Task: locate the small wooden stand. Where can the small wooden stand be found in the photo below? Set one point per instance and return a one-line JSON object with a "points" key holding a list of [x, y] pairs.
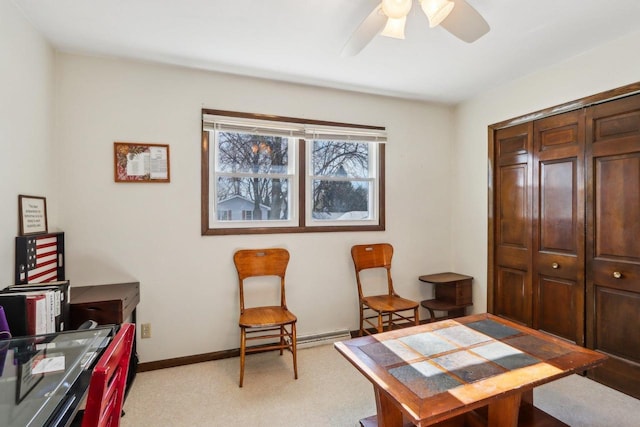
{"points": [[453, 294]]}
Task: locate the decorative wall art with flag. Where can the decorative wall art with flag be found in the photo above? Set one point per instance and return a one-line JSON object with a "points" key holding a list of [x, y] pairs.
{"points": [[40, 258]]}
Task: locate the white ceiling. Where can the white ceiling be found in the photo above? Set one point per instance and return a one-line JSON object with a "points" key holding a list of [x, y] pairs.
{"points": [[300, 40]]}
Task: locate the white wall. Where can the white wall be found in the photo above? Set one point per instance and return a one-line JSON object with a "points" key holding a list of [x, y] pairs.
{"points": [[603, 68], [26, 127], [151, 232]]}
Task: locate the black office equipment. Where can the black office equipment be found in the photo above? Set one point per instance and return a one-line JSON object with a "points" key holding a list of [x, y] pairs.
{"points": [[14, 299]]}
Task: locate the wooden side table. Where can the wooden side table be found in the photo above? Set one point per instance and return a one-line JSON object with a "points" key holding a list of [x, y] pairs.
{"points": [[453, 294]]}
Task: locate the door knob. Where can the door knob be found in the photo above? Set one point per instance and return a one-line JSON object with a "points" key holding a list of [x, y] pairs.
{"points": [[617, 275], [555, 265]]}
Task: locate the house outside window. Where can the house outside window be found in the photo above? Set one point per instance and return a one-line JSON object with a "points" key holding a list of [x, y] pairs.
{"points": [[266, 174]]}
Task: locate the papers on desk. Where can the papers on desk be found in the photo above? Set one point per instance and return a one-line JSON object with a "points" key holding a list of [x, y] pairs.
{"points": [[50, 363]]}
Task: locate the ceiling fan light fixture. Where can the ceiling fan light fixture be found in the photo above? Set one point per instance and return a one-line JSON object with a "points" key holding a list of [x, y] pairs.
{"points": [[436, 10], [394, 28], [396, 9]]}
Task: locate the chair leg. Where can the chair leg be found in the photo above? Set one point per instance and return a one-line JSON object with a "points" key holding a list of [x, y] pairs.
{"points": [[282, 345], [294, 349], [380, 325], [416, 315], [243, 343], [361, 332]]}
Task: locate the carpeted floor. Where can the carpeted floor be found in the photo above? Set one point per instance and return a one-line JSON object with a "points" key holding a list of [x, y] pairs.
{"points": [[329, 392]]}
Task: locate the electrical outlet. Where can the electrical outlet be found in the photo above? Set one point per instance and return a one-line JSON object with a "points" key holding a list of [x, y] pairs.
{"points": [[145, 330]]}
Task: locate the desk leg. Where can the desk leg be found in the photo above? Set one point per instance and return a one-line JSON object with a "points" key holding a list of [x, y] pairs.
{"points": [[504, 412], [388, 413]]}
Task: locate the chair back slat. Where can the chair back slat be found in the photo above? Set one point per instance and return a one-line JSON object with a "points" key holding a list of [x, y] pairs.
{"points": [[108, 381], [377, 255], [261, 262]]}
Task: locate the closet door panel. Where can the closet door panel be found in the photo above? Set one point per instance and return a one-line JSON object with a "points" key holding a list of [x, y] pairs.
{"points": [[512, 290], [513, 228], [617, 225], [615, 333], [511, 300], [613, 241], [558, 226], [613, 305], [556, 310]]}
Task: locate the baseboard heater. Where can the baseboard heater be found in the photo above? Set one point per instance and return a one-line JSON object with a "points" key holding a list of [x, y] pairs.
{"points": [[323, 338]]}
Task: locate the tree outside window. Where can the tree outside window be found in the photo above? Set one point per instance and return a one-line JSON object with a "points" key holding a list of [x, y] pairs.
{"points": [[340, 180], [254, 168]]}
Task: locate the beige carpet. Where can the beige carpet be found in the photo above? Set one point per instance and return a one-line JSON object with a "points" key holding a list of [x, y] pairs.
{"points": [[328, 392]]}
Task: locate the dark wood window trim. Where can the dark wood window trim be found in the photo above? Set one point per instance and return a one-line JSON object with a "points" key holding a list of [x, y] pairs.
{"points": [[302, 227]]}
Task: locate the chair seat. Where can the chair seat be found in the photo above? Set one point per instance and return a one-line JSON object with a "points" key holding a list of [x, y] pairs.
{"points": [[387, 303], [266, 317]]}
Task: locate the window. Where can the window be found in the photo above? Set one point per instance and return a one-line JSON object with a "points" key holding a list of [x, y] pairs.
{"points": [[340, 183], [266, 174]]}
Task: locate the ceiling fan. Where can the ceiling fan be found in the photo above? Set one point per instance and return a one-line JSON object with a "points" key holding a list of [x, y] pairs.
{"points": [[389, 17]]}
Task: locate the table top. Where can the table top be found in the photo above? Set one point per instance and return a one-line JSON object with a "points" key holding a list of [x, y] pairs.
{"points": [[97, 293], [443, 277], [38, 372], [442, 369]]}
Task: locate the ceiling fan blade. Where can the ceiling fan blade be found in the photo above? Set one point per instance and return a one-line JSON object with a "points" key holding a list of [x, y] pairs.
{"points": [[368, 29], [465, 22]]}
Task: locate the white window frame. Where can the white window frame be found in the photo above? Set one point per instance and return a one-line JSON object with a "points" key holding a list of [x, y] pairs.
{"points": [[292, 191], [372, 179]]}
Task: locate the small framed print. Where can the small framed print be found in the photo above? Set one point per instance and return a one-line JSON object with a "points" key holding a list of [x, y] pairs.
{"points": [[134, 162], [32, 211]]}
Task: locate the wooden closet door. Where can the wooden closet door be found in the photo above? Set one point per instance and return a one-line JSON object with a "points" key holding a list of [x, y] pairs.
{"points": [[558, 226], [613, 241], [512, 290]]}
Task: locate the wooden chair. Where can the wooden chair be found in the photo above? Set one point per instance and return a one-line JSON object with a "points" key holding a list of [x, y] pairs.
{"points": [[390, 309], [265, 322], [109, 380]]}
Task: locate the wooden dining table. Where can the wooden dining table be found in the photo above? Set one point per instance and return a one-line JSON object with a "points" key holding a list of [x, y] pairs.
{"points": [[477, 370]]}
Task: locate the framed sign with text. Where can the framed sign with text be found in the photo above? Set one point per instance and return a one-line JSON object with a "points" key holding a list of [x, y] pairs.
{"points": [[32, 211], [135, 162]]}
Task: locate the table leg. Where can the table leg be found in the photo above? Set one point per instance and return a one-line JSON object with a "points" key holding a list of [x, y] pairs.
{"points": [[504, 412], [388, 413]]}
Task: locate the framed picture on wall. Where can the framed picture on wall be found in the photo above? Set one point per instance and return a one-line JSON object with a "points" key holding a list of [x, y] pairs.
{"points": [[32, 211], [135, 162]]}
